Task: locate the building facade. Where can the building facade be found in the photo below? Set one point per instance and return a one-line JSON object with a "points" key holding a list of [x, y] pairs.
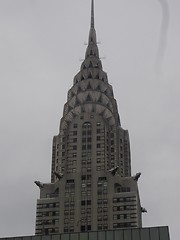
{"points": [[91, 187]]}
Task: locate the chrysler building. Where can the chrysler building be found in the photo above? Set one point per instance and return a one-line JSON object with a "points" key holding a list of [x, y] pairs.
{"points": [[91, 188]]}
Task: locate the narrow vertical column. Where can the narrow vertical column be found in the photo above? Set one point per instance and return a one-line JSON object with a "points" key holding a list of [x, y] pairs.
{"points": [[92, 14]]}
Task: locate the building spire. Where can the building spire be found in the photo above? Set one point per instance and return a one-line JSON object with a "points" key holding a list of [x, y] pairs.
{"points": [[92, 13], [92, 49]]}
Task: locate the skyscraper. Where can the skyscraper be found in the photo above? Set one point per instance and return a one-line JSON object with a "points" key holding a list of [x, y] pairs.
{"points": [[91, 185]]}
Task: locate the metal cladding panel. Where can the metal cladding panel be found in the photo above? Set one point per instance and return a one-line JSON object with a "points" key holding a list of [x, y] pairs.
{"points": [[164, 233], [145, 234], [118, 234], [83, 236], [154, 234], [127, 234], [55, 237], [65, 237]]}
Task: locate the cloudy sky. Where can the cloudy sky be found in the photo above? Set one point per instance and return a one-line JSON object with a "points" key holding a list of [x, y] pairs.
{"points": [[41, 47]]}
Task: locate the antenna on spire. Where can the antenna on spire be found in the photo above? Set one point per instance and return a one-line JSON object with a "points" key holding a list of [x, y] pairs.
{"points": [[92, 13]]}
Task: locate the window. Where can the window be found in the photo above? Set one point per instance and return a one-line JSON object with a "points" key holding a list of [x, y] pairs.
{"points": [[89, 227], [98, 145], [83, 147], [83, 228], [98, 138], [74, 140], [98, 160], [99, 218], [99, 210], [72, 212], [99, 226], [115, 208], [83, 203], [98, 153], [70, 181], [88, 177], [89, 132], [83, 154], [66, 212], [105, 226], [74, 147], [102, 179], [105, 184], [105, 209], [87, 125], [83, 177], [74, 133], [75, 125]]}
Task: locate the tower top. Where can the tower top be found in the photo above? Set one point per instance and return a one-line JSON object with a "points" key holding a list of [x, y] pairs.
{"points": [[92, 49], [92, 13]]}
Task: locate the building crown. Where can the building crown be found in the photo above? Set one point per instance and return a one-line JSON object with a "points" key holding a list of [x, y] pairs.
{"points": [[91, 92]]}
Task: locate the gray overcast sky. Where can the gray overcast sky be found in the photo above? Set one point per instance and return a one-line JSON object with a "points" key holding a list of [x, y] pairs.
{"points": [[41, 42]]}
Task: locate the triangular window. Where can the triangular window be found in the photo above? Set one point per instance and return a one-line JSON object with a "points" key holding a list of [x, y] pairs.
{"points": [[91, 65], [100, 100], [97, 76], [77, 101], [89, 86], [88, 99], [90, 75], [78, 89], [98, 88], [72, 94]]}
